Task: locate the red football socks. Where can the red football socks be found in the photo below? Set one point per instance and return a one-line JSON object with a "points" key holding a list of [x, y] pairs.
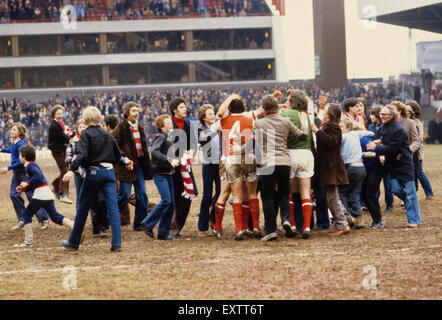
{"points": [[245, 215], [307, 206], [254, 211], [237, 216], [219, 213]]}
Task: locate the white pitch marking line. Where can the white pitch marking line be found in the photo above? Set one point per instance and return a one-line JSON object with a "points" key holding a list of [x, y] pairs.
{"points": [[272, 257]]}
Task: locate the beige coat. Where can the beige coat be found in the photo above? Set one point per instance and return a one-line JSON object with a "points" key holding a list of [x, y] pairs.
{"points": [[271, 135], [410, 129]]}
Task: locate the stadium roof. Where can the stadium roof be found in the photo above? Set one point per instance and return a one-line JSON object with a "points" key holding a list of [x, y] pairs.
{"points": [[417, 14]]}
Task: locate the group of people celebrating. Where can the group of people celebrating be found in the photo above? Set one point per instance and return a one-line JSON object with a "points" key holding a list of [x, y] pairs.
{"points": [[288, 150]]}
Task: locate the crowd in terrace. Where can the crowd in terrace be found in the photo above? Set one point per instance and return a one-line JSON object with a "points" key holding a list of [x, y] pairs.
{"points": [[44, 10]]}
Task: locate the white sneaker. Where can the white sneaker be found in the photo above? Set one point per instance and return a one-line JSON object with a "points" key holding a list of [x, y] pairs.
{"points": [[288, 230], [44, 224], [64, 198], [24, 244], [270, 237], [20, 225]]}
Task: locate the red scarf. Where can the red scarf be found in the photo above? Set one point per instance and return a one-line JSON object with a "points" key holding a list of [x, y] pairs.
{"points": [[137, 138], [179, 122], [61, 124], [189, 191]]}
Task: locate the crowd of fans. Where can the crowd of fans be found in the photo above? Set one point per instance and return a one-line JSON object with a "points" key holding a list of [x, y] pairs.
{"points": [[35, 115], [21, 10]]}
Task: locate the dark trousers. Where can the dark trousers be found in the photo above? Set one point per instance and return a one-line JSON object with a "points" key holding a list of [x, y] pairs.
{"points": [[351, 194], [389, 197], [370, 189], [182, 204], [18, 176], [322, 218], [35, 205], [210, 178], [58, 184], [280, 177]]}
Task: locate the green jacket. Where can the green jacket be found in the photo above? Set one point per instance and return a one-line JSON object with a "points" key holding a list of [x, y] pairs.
{"points": [[292, 141]]}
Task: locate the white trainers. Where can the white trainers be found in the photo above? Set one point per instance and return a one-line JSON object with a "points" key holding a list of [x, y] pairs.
{"points": [[270, 237], [24, 244], [64, 198], [288, 229], [20, 225], [44, 224]]}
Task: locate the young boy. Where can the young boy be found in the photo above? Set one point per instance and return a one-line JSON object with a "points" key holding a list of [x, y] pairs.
{"points": [[162, 170], [17, 133], [42, 198]]}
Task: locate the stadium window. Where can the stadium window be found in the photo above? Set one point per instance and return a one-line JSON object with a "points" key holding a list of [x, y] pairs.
{"points": [[5, 46], [67, 76], [127, 42], [153, 73], [6, 78]]}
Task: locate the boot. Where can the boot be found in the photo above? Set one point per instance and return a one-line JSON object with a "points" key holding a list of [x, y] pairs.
{"points": [[68, 223]]}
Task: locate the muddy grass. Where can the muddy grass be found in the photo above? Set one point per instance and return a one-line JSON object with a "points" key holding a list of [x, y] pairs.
{"points": [[393, 263]]}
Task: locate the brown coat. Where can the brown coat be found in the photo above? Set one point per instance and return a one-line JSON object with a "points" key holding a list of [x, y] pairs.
{"points": [[330, 166], [125, 141]]}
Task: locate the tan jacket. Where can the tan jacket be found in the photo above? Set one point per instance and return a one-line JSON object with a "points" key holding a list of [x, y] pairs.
{"points": [[410, 129], [271, 135], [420, 128]]}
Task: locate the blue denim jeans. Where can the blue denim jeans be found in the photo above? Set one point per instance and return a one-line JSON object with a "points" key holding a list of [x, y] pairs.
{"points": [[78, 182], [351, 194], [210, 177], [18, 176], [142, 201], [406, 191], [35, 205], [97, 178], [424, 180], [163, 211]]}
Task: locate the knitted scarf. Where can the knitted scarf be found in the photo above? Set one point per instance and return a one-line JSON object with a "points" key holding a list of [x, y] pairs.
{"points": [[186, 168], [137, 138]]}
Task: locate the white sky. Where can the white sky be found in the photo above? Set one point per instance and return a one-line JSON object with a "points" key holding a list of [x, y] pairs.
{"points": [[379, 52]]}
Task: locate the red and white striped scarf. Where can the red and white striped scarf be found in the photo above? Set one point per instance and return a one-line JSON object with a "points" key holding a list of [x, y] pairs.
{"points": [[137, 138], [189, 191]]}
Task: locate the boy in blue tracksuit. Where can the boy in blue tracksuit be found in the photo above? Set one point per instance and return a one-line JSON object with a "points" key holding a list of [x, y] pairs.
{"points": [[17, 133], [42, 197]]}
